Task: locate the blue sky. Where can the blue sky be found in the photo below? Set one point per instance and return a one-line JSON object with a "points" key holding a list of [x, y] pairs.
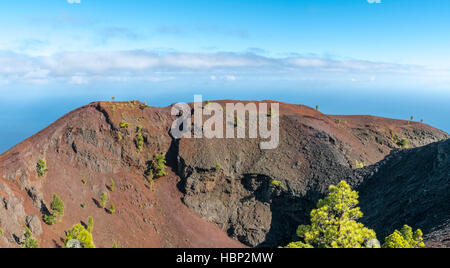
{"points": [[401, 43], [164, 51]]}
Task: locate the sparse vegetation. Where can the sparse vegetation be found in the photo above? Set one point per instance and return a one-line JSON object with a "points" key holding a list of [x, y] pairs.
{"points": [[112, 185], [139, 140], [360, 165], [103, 199], [90, 226], [155, 169], [50, 219], [1, 232], [84, 181], [30, 241], [405, 238], [159, 165], [57, 206], [114, 244], [57, 210], [112, 209], [79, 233], [275, 184], [119, 137], [334, 224], [144, 106], [218, 167], [41, 167], [403, 143], [124, 124], [149, 178]]}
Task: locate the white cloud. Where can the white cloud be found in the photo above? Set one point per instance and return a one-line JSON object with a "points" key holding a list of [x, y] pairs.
{"points": [[230, 77], [74, 1], [374, 1], [126, 66], [78, 80]]}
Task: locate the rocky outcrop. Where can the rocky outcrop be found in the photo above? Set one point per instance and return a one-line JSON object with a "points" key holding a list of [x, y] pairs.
{"points": [[260, 197], [12, 216], [410, 187]]}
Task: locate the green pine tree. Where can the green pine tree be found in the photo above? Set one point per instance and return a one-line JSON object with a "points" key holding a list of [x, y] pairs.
{"points": [[103, 199], [159, 165], [30, 241], [90, 226], [334, 222], [41, 167], [78, 232], [57, 206], [405, 238], [112, 185]]}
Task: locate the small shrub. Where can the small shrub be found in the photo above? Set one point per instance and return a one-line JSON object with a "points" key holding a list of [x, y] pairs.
{"points": [[218, 168], [112, 209], [84, 181], [124, 124], [79, 233], [119, 137], [50, 219], [83, 205], [159, 165], [30, 241], [139, 140], [112, 185], [275, 184], [57, 206], [114, 244], [144, 106], [103, 199], [403, 143], [90, 226], [317, 107], [1, 232], [41, 167], [360, 165], [155, 169], [405, 238], [149, 177]]}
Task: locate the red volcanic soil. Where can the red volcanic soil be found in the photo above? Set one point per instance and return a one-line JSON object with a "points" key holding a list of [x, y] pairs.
{"points": [[89, 144]]}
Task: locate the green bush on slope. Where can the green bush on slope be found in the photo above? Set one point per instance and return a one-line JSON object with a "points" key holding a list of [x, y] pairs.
{"points": [[334, 225]]}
